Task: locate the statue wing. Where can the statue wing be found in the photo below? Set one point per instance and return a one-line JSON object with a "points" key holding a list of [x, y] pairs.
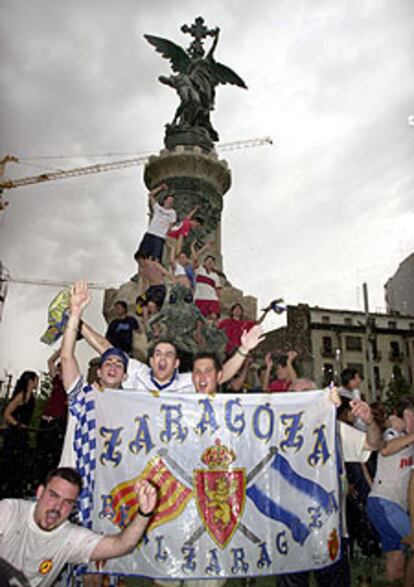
{"points": [[225, 75], [176, 55]]}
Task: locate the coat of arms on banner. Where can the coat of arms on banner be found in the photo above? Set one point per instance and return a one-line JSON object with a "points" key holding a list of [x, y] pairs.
{"points": [[220, 493]]}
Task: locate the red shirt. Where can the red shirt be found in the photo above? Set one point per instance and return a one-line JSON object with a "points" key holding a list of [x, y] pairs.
{"points": [[57, 404], [279, 385], [234, 330]]}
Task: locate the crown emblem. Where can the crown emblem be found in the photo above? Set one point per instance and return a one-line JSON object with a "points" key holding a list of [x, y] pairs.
{"points": [[218, 456]]}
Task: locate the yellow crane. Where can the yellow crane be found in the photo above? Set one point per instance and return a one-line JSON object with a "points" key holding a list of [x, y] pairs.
{"points": [[9, 184]]}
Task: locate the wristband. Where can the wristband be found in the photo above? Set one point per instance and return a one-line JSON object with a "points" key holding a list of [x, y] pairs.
{"points": [[147, 515], [241, 352]]}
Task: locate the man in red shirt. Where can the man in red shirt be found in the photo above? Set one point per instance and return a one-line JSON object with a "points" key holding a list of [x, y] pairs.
{"points": [[285, 372], [234, 327]]}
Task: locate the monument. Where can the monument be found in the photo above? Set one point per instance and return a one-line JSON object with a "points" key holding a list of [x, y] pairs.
{"points": [[189, 163]]}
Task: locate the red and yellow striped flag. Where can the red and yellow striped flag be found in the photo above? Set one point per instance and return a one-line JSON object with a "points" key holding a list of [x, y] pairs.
{"points": [[173, 496]]}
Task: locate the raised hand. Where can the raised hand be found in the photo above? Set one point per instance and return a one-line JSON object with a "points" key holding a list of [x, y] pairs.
{"points": [[146, 495], [361, 409], [250, 339], [79, 297]]}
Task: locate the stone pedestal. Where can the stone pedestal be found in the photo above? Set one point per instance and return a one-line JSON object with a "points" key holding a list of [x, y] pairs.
{"points": [[195, 178]]}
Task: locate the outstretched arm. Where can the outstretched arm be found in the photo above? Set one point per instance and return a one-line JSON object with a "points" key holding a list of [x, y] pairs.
{"points": [[361, 409], [196, 254], [396, 444], [79, 299], [98, 342], [249, 341], [291, 356], [152, 194], [115, 545], [193, 211]]}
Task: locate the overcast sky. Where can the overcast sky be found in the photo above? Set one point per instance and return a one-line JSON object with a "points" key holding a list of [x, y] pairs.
{"points": [[329, 206]]}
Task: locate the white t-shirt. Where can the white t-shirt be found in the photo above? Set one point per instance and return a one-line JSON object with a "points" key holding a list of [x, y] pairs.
{"points": [[393, 472], [38, 554], [139, 378], [206, 291], [161, 220], [179, 270], [352, 444]]}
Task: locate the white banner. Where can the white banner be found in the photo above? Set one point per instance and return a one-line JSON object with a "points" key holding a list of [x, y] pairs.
{"points": [[247, 484]]}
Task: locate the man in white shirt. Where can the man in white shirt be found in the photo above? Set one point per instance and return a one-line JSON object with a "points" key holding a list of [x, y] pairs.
{"points": [[163, 218], [37, 538]]}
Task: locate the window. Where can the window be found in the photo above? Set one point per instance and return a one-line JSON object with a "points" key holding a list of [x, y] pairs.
{"points": [[326, 320], [395, 351], [376, 355], [327, 346], [353, 343], [348, 321], [392, 324], [377, 378], [411, 326]]}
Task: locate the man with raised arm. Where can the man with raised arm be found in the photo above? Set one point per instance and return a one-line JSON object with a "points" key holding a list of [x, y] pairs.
{"points": [[37, 538], [163, 219]]}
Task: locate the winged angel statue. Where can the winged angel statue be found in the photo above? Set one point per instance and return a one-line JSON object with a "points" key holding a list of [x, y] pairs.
{"points": [[195, 78]]}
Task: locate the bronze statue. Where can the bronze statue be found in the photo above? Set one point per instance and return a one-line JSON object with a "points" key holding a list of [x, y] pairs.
{"points": [[195, 79], [181, 321]]}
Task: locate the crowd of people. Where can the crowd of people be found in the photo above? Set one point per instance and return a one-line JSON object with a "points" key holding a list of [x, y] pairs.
{"points": [[36, 538]]}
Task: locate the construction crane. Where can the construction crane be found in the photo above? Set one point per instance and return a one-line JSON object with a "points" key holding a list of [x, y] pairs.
{"points": [[99, 167]]}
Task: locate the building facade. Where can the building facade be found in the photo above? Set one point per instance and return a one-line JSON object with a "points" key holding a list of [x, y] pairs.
{"points": [[399, 289], [328, 340]]}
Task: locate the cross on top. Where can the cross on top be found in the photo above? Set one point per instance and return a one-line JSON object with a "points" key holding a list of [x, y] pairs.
{"points": [[199, 31]]}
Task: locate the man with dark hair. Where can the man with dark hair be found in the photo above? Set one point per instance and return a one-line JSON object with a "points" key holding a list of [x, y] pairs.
{"points": [[112, 372], [207, 372], [350, 381], [120, 330], [38, 539]]}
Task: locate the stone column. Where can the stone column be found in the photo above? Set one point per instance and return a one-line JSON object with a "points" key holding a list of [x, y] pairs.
{"points": [[195, 177]]}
